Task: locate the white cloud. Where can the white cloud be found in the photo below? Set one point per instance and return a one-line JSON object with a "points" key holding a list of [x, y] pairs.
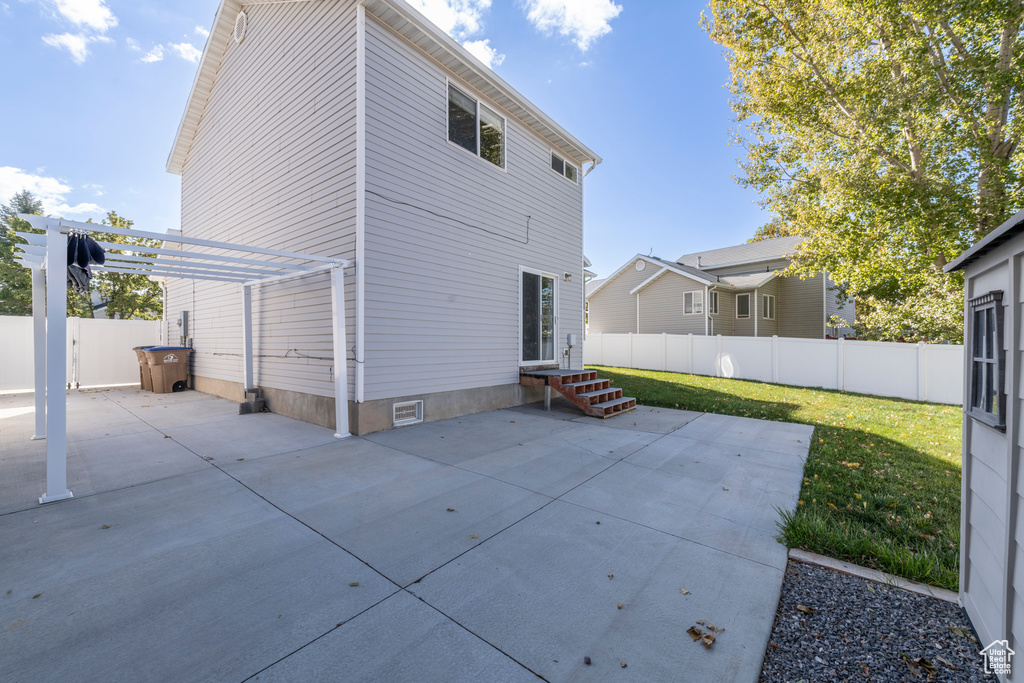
{"points": [[53, 192], [154, 55], [201, 31], [133, 44], [583, 21], [92, 14], [482, 50], [97, 189], [458, 18], [75, 43], [186, 51]]}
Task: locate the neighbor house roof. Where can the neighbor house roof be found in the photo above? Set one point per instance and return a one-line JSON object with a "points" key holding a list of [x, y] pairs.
{"points": [[1008, 230], [685, 271], [415, 28], [751, 252], [747, 281]]}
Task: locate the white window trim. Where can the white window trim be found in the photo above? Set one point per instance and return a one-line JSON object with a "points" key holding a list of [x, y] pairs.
{"points": [[713, 310], [567, 163], [519, 344], [773, 307], [696, 302], [468, 92], [738, 316]]}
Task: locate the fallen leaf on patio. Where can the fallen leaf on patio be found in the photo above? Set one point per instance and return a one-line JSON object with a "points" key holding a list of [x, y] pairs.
{"points": [[695, 632], [684, 591], [772, 644], [586, 660], [105, 526], [9, 591], [239, 459], [805, 609], [611, 576], [36, 596], [724, 489], [700, 621], [947, 663], [622, 664], [620, 605], [451, 509], [707, 640], [167, 436], [472, 535], [354, 584], [868, 586], [597, 522]]}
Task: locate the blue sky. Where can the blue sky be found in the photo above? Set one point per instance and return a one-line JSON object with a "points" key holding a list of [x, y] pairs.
{"points": [[96, 88]]}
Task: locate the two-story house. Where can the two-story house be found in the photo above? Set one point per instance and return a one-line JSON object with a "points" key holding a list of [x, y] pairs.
{"points": [[359, 130], [735, 291]]}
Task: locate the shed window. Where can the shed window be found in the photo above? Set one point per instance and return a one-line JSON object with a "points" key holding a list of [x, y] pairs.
{"points": [[742, 305], [988, 400], [768, 307], [475, 127], [693, 302]]}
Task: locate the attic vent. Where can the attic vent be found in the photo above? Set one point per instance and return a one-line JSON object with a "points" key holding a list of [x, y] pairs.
{"points": [[241, 23], [407, 413], [640, 264]]}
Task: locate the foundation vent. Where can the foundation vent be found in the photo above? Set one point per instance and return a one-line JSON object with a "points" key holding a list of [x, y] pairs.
{"points": [[407, 413]]}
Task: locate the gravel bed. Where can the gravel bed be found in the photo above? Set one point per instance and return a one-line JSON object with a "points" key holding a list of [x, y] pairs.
{"points": [[832, 626]]}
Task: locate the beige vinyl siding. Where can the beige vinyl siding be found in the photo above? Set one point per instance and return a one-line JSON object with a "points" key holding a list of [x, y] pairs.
{"points": [[768, 328], [724, 321], [800, 307], [744, 327], [446, 235], [758, 267], [613, 308], [661, 306], [272, 165]]}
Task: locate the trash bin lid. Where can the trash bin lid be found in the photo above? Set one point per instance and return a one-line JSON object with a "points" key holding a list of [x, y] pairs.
{"points": [[167, 348]]}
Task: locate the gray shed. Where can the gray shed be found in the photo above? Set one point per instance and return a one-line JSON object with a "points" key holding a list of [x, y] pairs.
{"points": [[991, 533]]}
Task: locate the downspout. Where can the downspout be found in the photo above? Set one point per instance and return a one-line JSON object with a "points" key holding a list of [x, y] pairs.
{"points": [[593, 165], [707, 310], [638, 312], [824, 304], [360, 272], [755, 311]]}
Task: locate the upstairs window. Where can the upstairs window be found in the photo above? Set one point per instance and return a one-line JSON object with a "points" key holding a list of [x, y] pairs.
{"points": [[564, 168], [988, 400], [475, 127], [693, 302], [768, 307]]}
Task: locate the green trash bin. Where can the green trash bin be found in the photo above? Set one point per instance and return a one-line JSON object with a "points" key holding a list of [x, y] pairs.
{"points": [[168, 366], [145, 377]]}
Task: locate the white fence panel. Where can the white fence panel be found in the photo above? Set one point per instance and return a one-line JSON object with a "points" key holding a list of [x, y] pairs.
{"points": [[808, 363], [99, 351], [923, 372], [746, 358], [15, 353], [103, 350]]}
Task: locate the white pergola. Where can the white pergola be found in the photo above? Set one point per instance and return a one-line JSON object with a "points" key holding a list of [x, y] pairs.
{"points": [[47, 253]]}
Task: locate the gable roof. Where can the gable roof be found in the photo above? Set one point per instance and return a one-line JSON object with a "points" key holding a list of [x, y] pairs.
{"points": [[415, 28], [749, 281], [1008, 230], [751, 252], [685, 271]]}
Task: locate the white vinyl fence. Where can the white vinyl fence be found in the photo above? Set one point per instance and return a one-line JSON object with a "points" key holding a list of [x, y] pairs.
{"points": [[99, 351], [922, 372]]}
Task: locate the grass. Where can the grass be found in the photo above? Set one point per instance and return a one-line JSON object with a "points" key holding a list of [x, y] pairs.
{"points": [[882, 481]]}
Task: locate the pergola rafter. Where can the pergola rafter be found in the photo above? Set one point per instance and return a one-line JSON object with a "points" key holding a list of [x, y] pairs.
{"points": [[256, 266]]}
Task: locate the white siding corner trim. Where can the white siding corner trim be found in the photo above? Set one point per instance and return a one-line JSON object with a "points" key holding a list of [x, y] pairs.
{"points": [[360, 355]]}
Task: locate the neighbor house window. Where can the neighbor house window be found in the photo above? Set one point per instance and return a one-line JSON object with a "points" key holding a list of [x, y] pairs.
{"points": [[564, 168], [742, 305], [768, 307], [712, 302], [475, 127], [693, 302], [988, 402], [538, 317]]}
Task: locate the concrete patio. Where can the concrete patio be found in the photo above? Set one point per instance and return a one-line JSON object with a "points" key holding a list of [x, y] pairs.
{"points": [[204, 545]]}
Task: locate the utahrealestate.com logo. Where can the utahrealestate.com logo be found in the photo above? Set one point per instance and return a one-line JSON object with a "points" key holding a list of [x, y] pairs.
{"points": [[997, 658]]}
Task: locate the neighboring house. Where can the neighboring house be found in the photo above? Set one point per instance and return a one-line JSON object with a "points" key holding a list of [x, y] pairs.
{"points": [[991, 547], [735, 291], [361, 131]]}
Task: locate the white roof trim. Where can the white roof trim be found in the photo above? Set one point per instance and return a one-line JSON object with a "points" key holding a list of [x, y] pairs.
{"points": [[415, 28], [648, 281], [660, 264]]}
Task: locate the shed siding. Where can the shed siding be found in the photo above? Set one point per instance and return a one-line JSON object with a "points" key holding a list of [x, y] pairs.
{"points": [[272, 165], [801, 307], [661, 306], [613, 308], [447, 232]]}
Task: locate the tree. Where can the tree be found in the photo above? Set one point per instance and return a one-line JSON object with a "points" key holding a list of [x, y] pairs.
{"points": [[886, 132], [129, 295], [15, 280]]}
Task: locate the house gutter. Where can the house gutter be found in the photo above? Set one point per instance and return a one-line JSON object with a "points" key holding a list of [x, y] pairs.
{"points": [[593, 164]]}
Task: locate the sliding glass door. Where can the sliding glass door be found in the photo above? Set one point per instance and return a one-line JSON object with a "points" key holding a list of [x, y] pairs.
{"points": [[537, 293]]}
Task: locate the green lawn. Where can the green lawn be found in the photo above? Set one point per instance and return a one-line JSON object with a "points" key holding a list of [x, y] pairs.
{"points": [[882, 482]]}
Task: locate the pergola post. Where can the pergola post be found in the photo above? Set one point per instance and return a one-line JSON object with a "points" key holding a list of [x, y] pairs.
{"points": [[247, 336], [341, 426], [39, 348], [56, 361]]}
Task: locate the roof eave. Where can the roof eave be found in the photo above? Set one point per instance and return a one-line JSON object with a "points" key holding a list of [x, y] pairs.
{"points": [[1004, 232]]}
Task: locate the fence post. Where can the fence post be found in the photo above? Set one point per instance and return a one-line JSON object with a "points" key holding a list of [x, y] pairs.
{"points": [[775, 358], [690, 339], [632, 358], [841, 364], [922, 387], [664, 351], [718, 355]]}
